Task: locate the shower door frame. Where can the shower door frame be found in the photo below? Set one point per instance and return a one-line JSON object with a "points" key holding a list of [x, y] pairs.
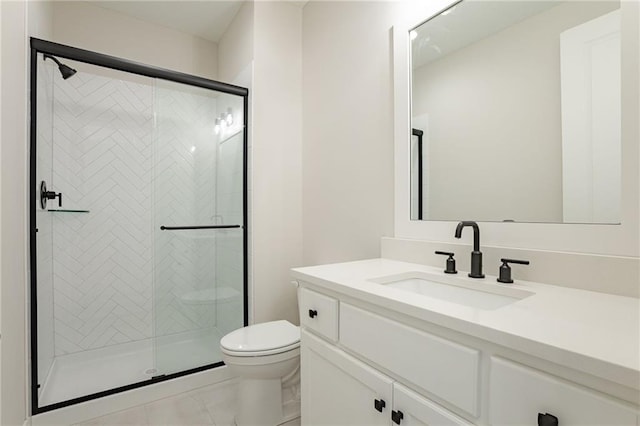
{"points": [[119, 64]]}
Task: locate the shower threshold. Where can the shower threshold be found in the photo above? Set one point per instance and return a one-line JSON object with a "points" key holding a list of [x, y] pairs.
{"points": [[88, 372]]}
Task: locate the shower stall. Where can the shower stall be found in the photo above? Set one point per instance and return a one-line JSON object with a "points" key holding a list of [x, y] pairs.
{"points": [[138, 222]]}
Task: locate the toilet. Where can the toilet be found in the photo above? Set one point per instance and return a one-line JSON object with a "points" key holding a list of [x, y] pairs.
{"points": [[266, 357]]}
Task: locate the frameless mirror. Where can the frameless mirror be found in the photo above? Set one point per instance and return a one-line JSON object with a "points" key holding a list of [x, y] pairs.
{"points": [[516, 112]]}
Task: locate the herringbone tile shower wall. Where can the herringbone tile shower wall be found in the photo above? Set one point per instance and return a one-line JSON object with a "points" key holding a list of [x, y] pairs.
{"points": [[103, 262]]}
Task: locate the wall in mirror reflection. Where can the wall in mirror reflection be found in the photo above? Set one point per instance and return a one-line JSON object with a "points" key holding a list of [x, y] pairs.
{"points": [[519, 108]]}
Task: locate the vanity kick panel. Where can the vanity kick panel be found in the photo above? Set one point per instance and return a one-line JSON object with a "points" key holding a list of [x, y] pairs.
{"points": [[518, 393], [446, 369]]}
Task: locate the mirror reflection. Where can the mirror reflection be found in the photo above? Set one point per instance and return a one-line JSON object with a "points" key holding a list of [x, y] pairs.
{"points": [[515, 112]]}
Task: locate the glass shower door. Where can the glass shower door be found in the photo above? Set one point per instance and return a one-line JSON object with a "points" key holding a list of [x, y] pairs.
{"points": [[138, 259], [198, 224]]}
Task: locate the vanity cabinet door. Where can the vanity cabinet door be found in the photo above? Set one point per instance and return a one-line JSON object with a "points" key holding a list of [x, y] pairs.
{"points": [[337, 389], [518, 393], [416, 410]]}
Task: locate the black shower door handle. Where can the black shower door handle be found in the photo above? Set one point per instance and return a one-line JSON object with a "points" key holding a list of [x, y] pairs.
{"points": [[184, 228]]}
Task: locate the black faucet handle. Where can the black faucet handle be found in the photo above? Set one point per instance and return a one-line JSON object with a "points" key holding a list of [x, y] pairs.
{"points": [[505, 269], [451, 262], [519, 262]]}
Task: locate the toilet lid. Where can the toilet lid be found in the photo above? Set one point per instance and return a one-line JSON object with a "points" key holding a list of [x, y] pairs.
{"points": [[262, 337]]}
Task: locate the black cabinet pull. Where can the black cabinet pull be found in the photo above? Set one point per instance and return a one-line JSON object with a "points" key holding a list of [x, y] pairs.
{"points": [[379, 404], [547, 420], [397, 416], [313, 313]]}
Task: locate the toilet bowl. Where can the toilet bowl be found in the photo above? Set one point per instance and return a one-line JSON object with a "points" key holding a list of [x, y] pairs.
{"points": [[263, 356]]}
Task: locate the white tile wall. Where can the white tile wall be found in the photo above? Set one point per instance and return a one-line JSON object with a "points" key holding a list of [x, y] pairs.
{"points": [[102, 162]]}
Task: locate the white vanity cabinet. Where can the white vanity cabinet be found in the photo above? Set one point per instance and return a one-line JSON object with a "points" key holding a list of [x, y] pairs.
{"points": [[338, 389], [367, 365]]}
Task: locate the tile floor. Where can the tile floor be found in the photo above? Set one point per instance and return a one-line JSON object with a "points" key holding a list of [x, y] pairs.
{"points": [[211, 405]]}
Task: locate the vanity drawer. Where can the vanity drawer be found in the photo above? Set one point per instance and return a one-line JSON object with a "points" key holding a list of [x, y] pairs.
{"points": [[518, 393], [446, 369], [319, 313]]}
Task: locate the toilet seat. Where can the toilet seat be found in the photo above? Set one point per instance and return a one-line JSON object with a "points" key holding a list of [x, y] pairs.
{"points": [[261, 339], [261, 353]]}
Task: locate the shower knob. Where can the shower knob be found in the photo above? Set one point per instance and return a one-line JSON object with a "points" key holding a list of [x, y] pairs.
{"points": [[48, 195]]}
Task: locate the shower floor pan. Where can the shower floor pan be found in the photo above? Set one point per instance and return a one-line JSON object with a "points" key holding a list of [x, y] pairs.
{"points": [[85, 373]]}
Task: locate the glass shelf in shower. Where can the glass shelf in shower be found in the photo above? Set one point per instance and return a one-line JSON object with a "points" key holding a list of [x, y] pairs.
{"points": [[67, 211]]}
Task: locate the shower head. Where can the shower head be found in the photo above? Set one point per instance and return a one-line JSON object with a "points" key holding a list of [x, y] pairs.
{"points": [[65, 70]]}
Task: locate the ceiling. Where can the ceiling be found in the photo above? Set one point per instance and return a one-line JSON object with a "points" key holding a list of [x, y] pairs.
{"points": [[206, 19]]}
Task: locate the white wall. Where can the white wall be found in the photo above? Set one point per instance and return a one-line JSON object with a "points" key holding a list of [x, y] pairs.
{"points": [[90, 27], [277, 158], [13, 176], [235, 48], [40, 19], [348, 129]]}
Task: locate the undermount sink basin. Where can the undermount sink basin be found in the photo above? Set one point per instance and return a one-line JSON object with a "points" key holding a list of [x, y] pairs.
{"points": [[478, 294]]}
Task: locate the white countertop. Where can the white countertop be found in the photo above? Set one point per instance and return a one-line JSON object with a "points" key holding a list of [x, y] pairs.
{"points": [[596, 333]]}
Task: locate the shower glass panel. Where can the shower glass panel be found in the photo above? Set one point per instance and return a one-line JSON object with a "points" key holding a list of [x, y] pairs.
{"points": [[198, 207], [139, 255]]}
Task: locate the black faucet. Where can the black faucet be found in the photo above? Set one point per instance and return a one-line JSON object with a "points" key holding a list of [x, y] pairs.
{"points": [[476, 254]]}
